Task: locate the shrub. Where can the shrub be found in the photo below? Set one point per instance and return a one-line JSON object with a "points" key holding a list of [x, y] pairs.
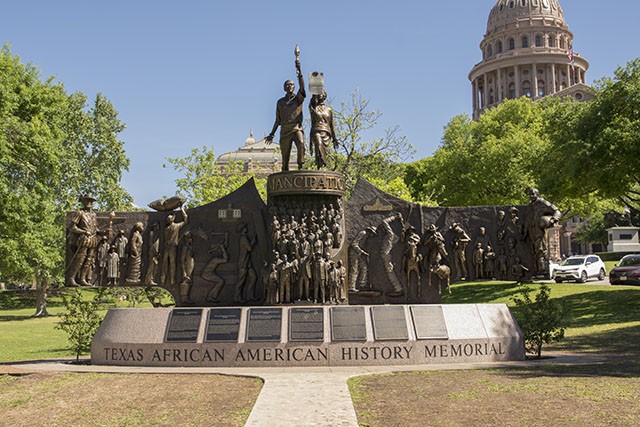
{"points": [[80, 321], [540, 319]]}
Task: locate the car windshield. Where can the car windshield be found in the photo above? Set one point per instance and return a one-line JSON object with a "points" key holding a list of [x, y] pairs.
{"points": [[573, 261], [626, 262]]}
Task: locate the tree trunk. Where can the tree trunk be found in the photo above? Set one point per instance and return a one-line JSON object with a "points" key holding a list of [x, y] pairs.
{"points": [[42, 285], [539, 351]]}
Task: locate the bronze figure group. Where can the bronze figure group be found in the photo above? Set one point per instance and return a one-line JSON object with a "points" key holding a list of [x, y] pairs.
{"points": [[289, 119], [306, 235]]}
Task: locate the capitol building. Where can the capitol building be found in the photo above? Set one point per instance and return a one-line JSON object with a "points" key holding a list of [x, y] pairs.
{"points": [[527, 51]]}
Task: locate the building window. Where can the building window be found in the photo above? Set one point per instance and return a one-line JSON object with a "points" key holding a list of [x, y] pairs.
{"points": [[489, 51], [540, 88], [491, 98], [523, 3], [512, 44], [499, 47], [552, 41], [539, 40], [579, 96], [512, 4], [561, 43], [526, 88], [512, 90], [626, 237], [525, 41]]}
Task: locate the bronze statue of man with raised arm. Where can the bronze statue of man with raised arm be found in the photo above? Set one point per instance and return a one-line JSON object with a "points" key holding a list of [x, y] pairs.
{"points": [[289, 118]]}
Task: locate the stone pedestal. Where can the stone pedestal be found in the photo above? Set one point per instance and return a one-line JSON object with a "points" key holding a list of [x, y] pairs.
{"points": [[308, 336]]}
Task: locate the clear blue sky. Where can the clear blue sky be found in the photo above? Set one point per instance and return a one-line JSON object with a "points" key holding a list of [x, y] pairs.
{"points": [[184, 74]]}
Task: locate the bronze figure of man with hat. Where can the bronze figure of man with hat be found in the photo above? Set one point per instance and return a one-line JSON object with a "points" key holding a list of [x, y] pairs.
{"points": [[84, 229]]}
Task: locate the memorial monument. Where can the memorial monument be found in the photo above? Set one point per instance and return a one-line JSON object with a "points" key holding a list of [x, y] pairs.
{"points": [[307, 279]]}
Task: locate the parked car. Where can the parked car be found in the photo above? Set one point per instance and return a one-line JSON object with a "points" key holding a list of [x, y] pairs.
{"points": [[580, 269], [627, 271]]}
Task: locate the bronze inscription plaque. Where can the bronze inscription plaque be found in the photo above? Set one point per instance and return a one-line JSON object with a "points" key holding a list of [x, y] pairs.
{"points": [[389, 323], [306, 324], [428, 321], [184, 324], [348, 324], [223, 325], [264, 324]]}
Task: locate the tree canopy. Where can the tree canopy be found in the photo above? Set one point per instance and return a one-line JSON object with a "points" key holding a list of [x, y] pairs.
{"points": [[53, 147], [485, 162], [601, 142]]}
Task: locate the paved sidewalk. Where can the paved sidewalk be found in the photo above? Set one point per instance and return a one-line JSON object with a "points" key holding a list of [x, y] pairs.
{"points": [[316, 396], [304, 399]]}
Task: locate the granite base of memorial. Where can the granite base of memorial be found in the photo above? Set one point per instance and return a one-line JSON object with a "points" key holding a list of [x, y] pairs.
{"points": [[308, 336]]}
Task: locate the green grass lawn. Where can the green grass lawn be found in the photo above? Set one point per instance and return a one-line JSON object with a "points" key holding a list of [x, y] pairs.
{"points": [[610, 264], [23, 337]]}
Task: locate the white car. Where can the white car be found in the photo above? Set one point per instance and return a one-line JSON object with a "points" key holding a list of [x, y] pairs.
{"points": [[580, 269]]}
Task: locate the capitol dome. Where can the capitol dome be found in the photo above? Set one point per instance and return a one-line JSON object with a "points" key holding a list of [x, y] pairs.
{"points": [[527, 51], [508, 12]]}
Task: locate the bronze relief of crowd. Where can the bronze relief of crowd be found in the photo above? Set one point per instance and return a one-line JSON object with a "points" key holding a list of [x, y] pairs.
{"points": [[306, 235]]}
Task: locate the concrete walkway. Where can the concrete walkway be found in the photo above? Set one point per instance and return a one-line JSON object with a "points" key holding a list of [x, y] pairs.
{"points": [[315, 396], [304, 399]]}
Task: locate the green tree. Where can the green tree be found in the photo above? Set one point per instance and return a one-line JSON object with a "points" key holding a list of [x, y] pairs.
{"points": [[485, 162], [563, 164], [52, 148], [205, 181], [602, 146], [80, 321], [99, 157], [592, 230], [539, 318], [514, 146]]}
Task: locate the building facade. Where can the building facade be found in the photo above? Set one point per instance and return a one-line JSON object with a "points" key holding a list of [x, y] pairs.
{"points": [[527, 51]]}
